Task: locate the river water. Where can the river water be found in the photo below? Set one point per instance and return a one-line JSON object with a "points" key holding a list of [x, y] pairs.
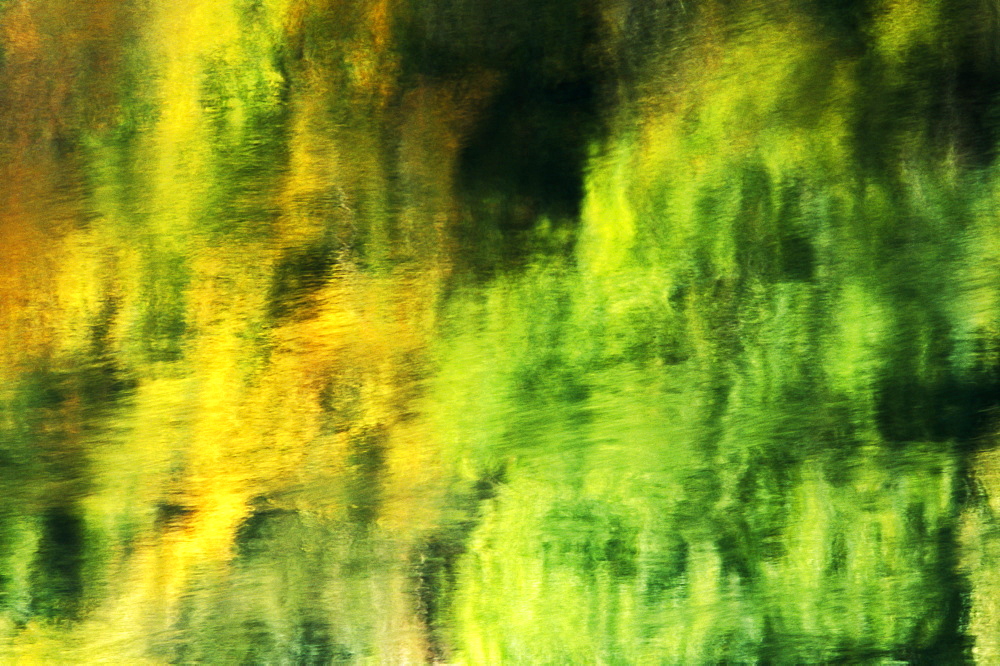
{"points": [[481, 332]]}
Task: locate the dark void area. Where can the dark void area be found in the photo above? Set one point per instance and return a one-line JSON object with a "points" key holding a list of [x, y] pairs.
{"points": [[946, 405], [521, 168], [57, 576], [949, 409], [968, 110], [951, 99], [526, 157]]}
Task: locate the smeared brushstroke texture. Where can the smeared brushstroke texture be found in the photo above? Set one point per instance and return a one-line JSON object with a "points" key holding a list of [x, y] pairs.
{"points": [[482, 332]]}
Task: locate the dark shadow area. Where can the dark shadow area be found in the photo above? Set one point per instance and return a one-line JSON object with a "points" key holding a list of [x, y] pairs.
{"points": [[57, 576], [521, 169]]}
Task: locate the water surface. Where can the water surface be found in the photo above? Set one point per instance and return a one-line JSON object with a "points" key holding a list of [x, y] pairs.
{"points": [[480, 332]]}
